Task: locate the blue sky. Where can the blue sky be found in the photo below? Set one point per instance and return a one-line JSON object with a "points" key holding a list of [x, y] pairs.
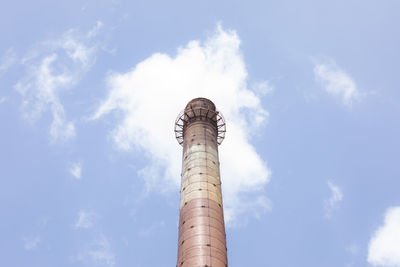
{"points": [[89, 168]]}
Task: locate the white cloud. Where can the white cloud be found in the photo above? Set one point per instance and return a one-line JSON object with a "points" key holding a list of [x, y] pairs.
{"points": [[2, 99], [31, 243], [52, 67], [97, 253], [332, 203], [384, 246], [263, 88], [152, 94], [76, 170], [8, 60], [337, 82], [85, 219]]}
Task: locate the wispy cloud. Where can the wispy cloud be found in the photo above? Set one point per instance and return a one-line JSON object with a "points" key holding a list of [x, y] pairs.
{"points": [[332, 203], [152, 94], [85, 219], [52, 67], [2, 99], [8, 60], [353, 249], [336, 82], [263, 88], [152, 229], [98, 253], [76, 170], [31, 243], [384, 246]]}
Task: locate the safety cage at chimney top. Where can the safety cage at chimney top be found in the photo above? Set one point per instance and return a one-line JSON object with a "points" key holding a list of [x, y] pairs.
{"points": [[199, 114]]}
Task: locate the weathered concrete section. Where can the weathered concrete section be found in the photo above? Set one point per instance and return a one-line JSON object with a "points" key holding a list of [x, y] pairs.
{"points": [[202, 240]]}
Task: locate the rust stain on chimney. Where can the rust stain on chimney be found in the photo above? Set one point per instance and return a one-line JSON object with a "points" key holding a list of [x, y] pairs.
{"points": [[200, 128]]}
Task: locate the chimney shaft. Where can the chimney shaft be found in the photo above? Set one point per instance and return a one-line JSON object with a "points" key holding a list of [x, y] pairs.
{"points": [[202, 241]]}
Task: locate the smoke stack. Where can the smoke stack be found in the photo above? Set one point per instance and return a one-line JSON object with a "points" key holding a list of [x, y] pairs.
{"points": [[200, 128]]}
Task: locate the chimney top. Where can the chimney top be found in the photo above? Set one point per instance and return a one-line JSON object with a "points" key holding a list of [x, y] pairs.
{"points": [[201, 102]]}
